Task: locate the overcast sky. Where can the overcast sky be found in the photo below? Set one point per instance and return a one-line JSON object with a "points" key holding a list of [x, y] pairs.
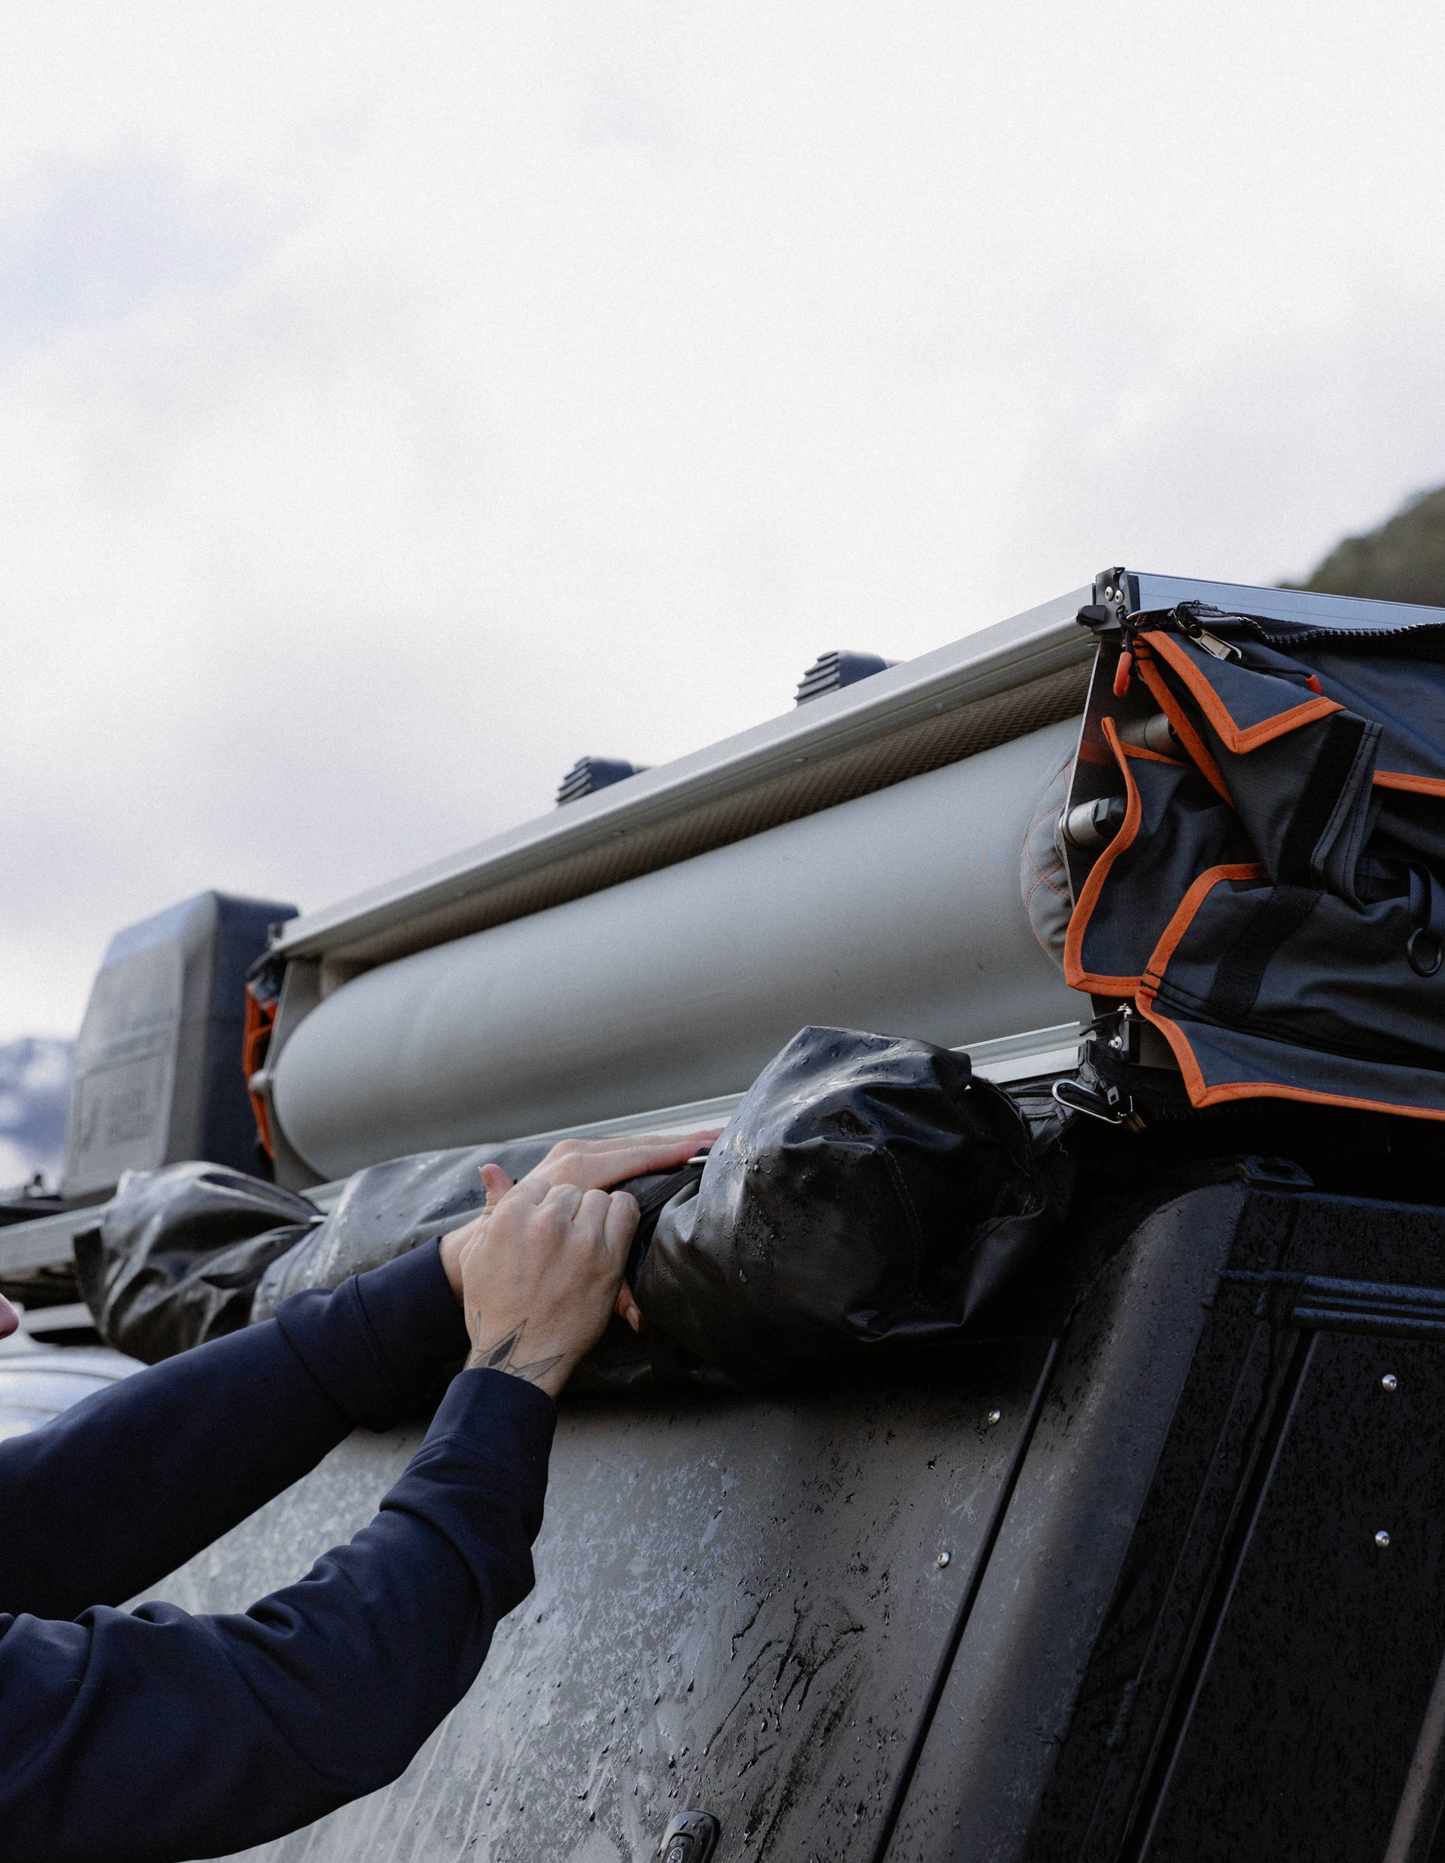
{"points": [[398, 401]]}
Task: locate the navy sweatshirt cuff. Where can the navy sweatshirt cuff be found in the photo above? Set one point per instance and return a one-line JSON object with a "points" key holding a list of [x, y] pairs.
{"points": [[375, 1344], [484, 1463], [483, 1408]]}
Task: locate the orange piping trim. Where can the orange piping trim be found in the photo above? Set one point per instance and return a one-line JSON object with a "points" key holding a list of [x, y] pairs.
{"points": [[1145, 755], [1201, 1094], [1183, 730], [1188, 906], [1417, 785], [1077, 977], [1217, 712]]}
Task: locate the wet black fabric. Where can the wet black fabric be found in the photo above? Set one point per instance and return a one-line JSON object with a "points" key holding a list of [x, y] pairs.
{"points": [[387, 1209], [868, 1195], [1275, 903], [193, 1251], [390, 1208], [177, 1254]]}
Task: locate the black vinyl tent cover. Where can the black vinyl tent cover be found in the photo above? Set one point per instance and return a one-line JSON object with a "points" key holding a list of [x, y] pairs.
{"points": [[870, 1195]]}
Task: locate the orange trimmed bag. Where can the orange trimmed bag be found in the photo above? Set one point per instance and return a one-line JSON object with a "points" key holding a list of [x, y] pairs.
{"points": [[1273, 899]]}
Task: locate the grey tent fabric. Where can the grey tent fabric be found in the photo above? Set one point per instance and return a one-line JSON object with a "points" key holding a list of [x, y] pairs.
{"points": [[1043, 879]]}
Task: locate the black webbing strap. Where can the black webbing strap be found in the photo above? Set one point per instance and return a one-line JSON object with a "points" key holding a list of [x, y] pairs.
{"points": [[650, 1205], [1427, 923], [1241, 969], [1331, 771]]}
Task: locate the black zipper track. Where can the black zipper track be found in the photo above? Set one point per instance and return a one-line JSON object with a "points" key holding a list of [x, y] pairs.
{"points": [[1263, 630]]}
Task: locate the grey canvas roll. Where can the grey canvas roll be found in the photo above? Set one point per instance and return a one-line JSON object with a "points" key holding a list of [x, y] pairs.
{"points": [[899, 911]]}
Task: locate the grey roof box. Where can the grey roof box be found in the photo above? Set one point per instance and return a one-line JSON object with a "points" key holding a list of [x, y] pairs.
{"points": [[157, 1074]]}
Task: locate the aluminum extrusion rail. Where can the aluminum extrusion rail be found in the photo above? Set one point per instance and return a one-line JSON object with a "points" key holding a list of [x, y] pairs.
{"points": [[986, 689]]}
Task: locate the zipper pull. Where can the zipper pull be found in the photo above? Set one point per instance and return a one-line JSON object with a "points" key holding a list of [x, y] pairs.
{"points": [[1221, 649], [1122, 673], [1192, 628]]}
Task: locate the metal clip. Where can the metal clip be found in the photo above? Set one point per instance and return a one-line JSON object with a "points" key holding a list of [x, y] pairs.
{"points": [[1103, 1101]]}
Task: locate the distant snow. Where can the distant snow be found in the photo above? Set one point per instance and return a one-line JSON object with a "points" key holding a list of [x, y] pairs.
{"points": [[34, 1095]]}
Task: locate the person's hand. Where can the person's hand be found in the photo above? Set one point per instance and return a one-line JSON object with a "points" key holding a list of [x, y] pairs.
{"points": [[540, 1275], [9, 1318], [585, 1164]]}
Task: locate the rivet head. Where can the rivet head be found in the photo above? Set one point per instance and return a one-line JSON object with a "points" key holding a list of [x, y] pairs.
{"points": [[1382, 1539], [995, 1416], [944, 1558], [1390, 1382]]}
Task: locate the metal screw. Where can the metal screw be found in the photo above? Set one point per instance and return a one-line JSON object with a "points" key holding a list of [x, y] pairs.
{"points": [[995, 1416], [943, 1558], [1390, 1381], [1382, 1539]]}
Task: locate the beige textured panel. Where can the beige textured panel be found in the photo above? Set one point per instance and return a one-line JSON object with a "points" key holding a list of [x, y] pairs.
{"points": [[945, 738]]}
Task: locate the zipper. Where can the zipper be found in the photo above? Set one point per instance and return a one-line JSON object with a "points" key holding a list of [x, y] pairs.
{"points": [[1211, 643], [1188, 617]]}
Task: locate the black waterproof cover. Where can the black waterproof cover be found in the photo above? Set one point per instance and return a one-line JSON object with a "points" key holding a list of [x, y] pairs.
{"points": [[869, 1194], [189, 1252], [176, 1255]]}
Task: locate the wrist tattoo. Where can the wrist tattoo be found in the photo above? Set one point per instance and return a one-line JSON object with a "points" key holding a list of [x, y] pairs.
{"points": [[502, 1355]]}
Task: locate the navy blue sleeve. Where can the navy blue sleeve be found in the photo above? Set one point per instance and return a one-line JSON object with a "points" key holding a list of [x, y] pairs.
{"points": [[154, 1736], [129, 1484]]}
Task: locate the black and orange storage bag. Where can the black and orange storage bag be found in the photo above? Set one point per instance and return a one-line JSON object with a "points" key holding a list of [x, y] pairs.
{"points": [[1274, 899]]}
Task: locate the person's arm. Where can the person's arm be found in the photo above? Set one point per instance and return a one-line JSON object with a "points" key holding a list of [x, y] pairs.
{"points": [[129, 1484], [155, 1735], [126, 1486]]}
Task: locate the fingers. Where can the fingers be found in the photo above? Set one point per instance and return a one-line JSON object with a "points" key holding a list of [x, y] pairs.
{"points": [[496, 1183], [533, 1188], [586, 1211], [621, 1220], [626, 1308], [596, 1164]]}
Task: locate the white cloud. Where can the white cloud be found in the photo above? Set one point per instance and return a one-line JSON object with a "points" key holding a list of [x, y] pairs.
{"points": [[398, 402]]}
